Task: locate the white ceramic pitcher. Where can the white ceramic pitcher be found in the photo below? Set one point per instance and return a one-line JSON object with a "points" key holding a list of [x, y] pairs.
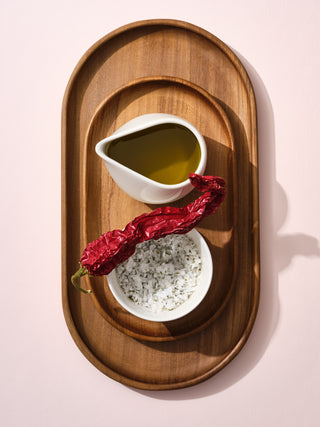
{"points": [[138, 186]]}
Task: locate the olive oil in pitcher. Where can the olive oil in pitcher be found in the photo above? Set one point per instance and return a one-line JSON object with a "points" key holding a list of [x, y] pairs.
{"points": [[165, 153]]}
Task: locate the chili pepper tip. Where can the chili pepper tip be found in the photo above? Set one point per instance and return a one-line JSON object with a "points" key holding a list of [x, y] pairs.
{"points": [[81, 272]]}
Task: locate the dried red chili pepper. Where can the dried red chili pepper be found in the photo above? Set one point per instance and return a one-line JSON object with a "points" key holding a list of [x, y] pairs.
{"points": [[101, 256]]}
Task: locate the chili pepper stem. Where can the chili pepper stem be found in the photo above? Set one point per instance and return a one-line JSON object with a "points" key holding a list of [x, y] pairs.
{"points": [[81, 272]]}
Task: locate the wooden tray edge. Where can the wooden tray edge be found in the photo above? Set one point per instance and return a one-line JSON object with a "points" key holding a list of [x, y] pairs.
{"points": [[256, 232]]}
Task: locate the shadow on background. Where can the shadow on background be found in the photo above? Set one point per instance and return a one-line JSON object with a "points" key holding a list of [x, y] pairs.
{"points": [[277, 251]]}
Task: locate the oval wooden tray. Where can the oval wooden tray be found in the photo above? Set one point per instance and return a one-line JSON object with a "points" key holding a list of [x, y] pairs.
{"points": [[177, 68]]}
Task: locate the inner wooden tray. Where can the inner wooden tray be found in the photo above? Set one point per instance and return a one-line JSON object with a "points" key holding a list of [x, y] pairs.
{"points": [[107, 207], [172, 67]]}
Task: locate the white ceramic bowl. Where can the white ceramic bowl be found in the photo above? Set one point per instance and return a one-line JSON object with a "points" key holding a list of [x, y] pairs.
{"points": [[185, 308], [138, 186]]}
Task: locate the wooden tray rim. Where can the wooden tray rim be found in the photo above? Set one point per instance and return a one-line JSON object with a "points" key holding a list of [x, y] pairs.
{"points": [[64, 291]]}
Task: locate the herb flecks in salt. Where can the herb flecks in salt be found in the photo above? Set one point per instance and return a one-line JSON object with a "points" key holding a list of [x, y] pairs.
{"points": [[161, 274]]}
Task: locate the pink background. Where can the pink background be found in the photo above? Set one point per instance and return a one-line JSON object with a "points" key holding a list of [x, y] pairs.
{"points": [[45, 380]]}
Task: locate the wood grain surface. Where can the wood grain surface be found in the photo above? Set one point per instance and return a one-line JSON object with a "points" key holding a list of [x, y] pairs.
{"points": [[177, 68]]}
